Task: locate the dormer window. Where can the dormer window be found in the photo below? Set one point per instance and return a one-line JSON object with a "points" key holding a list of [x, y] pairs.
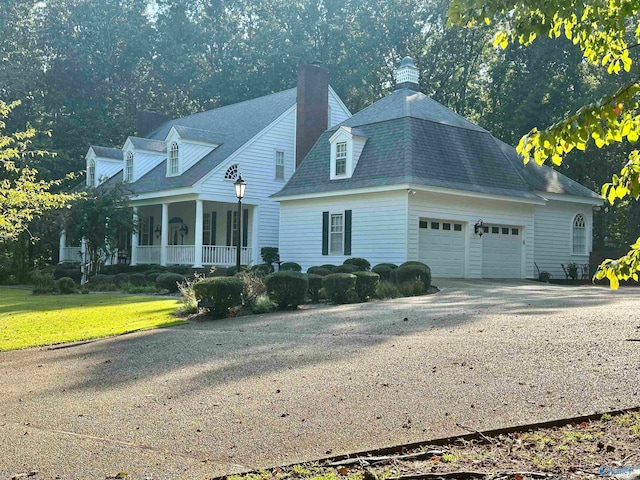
{"points": [[174, 165], [341, 158], [128, 168], [91, 173]]}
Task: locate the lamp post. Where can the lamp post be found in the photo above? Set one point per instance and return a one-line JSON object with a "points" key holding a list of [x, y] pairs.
{"points": [[240, 186]]}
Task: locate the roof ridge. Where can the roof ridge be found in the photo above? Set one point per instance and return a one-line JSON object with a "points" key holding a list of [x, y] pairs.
{"points": [[524, 180]]}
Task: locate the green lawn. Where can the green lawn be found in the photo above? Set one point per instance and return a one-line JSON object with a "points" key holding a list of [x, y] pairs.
{"points": [[28, 320]]}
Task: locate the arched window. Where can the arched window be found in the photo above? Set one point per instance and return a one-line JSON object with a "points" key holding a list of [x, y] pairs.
{"points": [[91, 173], [579, 235], [232, 173], [128, 168], [174, 165]]}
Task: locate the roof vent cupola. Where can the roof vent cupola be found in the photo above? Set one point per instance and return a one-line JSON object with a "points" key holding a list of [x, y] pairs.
{"points": [[407, 75]]}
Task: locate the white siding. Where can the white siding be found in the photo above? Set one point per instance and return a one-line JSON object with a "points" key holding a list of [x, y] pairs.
{"points": [[378, 228], [554, 235], [190, 153], [358, 145], [144, 161], [470, 210], [106, 168], [339, 112], [257, 165]]}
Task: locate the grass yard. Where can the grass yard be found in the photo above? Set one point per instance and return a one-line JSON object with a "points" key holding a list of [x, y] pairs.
{"points": [[28, 320]]}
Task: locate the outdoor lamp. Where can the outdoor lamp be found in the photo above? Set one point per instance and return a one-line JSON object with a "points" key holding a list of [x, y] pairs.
{"points": [[240, 186], [157, 231], [479, 227], [184, 230]]}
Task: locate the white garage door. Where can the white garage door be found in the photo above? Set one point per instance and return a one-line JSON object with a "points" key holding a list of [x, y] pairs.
{"points": [[442, 245], [502, 251]]}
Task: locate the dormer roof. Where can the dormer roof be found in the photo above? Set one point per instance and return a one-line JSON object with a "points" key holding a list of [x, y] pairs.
{"points": [[148, 144], [107, 152], [199, 135]]}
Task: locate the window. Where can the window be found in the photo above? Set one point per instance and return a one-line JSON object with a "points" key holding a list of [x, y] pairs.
{"points": [[579, 235], [457, 227], [341, 158], [144, 231], [435, 225], [279, 165], [446, 226], [336, 239], [514, 231], [206, 228], [128, 168], [231, 173], [505, 230], [91, 173], [174, 165], [495, 230], [424, 224]]}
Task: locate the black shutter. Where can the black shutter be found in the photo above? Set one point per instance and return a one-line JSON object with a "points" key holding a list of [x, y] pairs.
{"points": [[151, 232], [347, 232], [245, 226], [214, 218], [229, 224], [325, 233]]}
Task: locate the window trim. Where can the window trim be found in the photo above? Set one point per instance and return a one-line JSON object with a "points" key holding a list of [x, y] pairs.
{"points": [[91, 173], [342, 158], [279, 154], [127, 176], [331, 233], [173, 161], [579, 229]]}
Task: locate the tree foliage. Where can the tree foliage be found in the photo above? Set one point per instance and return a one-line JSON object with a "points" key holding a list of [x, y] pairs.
{"points": [[605, 32], [23, 195]]}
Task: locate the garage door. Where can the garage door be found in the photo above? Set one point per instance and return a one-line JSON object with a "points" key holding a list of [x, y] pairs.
{"points": [[502, 251], [442, 245]]}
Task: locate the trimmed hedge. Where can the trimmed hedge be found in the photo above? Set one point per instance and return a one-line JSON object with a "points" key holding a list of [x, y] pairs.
{"points": [[340, 287], [101, 279], [366, 283], [328, 266], [226, 292], [138, 279], [262, 269], [152, 276], [231, 271], [71, 270], [290, 266], [362, 263], [412, 263], [383, 270], [121, 278], [169, 281], [345, 269], [319, 271], [315, 284], [411, 273], [287, 289], [392, 266], [66, 285]]}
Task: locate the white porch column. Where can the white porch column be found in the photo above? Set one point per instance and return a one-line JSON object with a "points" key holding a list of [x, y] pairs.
{"points": [[164, 235], [63, 244], [198, 240], [134, 237], [255, 237]]}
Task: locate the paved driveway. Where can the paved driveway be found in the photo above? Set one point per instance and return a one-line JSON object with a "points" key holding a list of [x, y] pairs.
{"points": [[211, 398]]}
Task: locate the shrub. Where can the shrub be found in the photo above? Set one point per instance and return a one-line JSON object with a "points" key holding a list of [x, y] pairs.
{"points": [[101, 279], [315, 284], [66, 285], [269, 255], [328, 266], [226, 292], [319, 271], [231, 271], [169, 281], [181, 269], [366, 283], [218, 272], [138, 279], [263, 304], [411, 273], [254, 286], [71, 270], [129, 287], [385, 289], [340, 287], [114, 269], [383, 270], [188, 296], [103, 287], [290, 266], [287, 289], [412, 263], [392, 266], [413, 288], [121, 278], [152, 276], [43, 282], [261, 269], [362, 263], [345, 269]]}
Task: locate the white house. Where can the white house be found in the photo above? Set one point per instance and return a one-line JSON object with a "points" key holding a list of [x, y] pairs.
{"points": [[408, 179], [181, 174]]}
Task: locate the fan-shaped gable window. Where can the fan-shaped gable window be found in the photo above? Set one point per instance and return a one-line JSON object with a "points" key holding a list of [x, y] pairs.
{"points": [[128, 168], [579, 235], [231, 173], [91, 173], [174, 164]]}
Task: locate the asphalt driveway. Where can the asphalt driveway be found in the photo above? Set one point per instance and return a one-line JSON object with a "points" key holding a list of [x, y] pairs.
{"points": [[211, 398]]}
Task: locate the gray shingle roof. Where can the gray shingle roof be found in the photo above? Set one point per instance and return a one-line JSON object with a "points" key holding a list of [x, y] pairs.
{"points": [[107, 152], [415, 140], [148, 144], [241, 121], [200, 135]]}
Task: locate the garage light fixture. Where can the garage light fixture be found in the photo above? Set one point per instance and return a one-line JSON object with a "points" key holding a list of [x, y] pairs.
{"points": [[478, 228]]}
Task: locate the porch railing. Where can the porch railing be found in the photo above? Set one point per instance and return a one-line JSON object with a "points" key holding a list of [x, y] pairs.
{"points": [[215, 255], [149, 254], [181, 254], [71, 254]]}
